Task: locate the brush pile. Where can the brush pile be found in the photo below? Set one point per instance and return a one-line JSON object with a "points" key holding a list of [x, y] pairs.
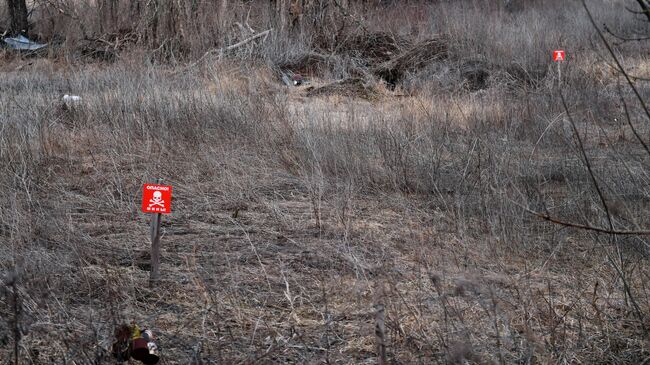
{"points": [[378, 54], [413, 59], [367, 57], [374, 48]]}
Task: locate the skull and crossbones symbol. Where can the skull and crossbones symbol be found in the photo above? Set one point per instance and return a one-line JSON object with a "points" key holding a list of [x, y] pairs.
{"points": [[157, 200]]}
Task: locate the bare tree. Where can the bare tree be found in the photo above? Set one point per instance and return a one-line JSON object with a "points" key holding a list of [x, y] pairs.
{"points": [[107, 11], [18, 15]]}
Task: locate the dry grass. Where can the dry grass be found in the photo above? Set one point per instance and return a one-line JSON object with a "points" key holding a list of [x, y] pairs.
{"points": [[296, 215]]}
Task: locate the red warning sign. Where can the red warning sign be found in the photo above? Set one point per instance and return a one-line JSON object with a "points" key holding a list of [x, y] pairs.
{"points": [[558, 55], [156, 198]]}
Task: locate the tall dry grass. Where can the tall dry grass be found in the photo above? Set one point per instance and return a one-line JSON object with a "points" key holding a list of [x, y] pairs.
{"points": [[294, 218]]}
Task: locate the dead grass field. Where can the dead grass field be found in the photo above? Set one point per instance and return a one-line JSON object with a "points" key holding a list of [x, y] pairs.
{"points": [[297, 219]]}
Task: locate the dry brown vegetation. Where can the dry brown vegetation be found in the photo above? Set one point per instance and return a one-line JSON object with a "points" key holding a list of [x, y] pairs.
{"points": [[387, 208]]}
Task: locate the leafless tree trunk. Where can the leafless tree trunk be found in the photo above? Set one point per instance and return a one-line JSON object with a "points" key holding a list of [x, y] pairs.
{"points": [[107, 16], [18, 15], [222, 13], [271, 11], [296, 8], [151, 24], [277, 14], [282, 14]]}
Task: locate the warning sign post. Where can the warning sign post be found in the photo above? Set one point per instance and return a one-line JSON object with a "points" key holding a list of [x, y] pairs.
{"points": [[156, 199]]}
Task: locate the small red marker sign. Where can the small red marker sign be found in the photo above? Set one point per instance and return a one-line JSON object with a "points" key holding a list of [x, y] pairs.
{"points": [[558, 55], [156, 198]]}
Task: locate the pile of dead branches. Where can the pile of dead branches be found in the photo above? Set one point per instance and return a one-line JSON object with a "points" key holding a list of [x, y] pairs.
{"points": [[374, 47], [381, 54], [415, 58]]}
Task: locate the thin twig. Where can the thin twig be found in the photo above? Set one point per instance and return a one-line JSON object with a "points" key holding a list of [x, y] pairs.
{"points": [[618, 63], [629, 120], [585, 227], [592, 176], [224, 49], [623, 39]]}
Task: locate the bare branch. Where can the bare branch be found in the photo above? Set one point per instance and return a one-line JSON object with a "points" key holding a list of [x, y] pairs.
{"points": [[618, 63], [585, 227], [228, 48], [624, 39], [588, 164], [629, 120]]}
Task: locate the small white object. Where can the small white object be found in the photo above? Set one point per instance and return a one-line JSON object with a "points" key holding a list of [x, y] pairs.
{"points": [[23, 43], [72, 98]]}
